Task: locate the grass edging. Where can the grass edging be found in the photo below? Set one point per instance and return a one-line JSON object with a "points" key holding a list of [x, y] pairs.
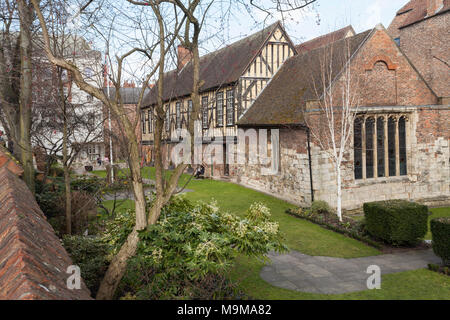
{"points": [[348, 233], [439, 269]]}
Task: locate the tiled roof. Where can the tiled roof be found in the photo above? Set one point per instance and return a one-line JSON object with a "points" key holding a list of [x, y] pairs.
{"points": [[416, 11], [33, 262], [218, 68], [295, 83], [129, 95], [8, 161], [325, 39]]}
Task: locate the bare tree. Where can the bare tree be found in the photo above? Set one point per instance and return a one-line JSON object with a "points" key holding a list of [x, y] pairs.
{"points": [[16, 80], [331, 125], [169, 17]]}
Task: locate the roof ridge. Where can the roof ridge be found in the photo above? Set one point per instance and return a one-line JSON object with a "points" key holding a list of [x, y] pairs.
{"points": [[223, 66], [269, 27], [230, 45], [338, 40], [327, 34]]}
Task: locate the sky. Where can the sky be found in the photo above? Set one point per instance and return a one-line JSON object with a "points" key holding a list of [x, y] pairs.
{"points": [[326, 16], [323, 17]]}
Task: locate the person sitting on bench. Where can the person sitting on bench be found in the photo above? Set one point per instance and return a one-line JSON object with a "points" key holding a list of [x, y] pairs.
{"points": [[200, 172]]}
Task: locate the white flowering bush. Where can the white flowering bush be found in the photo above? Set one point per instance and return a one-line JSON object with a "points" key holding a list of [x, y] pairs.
{"points": [[192, 244]]}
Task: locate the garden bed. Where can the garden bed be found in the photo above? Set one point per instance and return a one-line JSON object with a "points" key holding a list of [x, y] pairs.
{"points": [[439, 269], [352, 229]]}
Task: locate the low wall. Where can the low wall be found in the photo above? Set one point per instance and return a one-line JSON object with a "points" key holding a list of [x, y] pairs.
{"points": [[33, 263]]}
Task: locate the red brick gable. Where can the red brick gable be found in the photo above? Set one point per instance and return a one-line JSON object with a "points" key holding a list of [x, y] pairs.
{"points": [[388, 76], [33, 262]]}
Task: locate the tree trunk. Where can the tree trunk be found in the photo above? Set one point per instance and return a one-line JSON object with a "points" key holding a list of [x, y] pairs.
{"points": [[25, 104], [67, 172], [117, 268], [339, 193], [118, 265]]}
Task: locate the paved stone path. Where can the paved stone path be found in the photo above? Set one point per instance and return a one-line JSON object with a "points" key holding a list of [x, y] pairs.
{"points": [[128, 194], [300, 272]]}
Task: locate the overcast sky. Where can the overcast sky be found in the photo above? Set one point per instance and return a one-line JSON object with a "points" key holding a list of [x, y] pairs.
{"points": [[333, 14]]}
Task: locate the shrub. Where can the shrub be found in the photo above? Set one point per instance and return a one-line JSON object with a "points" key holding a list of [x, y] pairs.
{"points": [[189, 251], [397, 222], [440, 230], [56, 170], [83, 207], [90, 254], [91, 184], [320, 207]]}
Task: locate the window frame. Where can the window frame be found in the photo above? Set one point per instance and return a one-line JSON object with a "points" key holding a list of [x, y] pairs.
{"points": [[190, 107], [219, 106], [390, 147], [178, 114], [150, 120], [143, 129], [230, 107], [205, 111], [167, 118]]}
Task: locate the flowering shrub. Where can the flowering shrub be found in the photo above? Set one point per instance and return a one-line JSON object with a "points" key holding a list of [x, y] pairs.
{"points": [[191, 245]]}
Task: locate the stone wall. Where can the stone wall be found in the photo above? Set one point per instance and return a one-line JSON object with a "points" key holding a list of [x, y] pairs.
{"points": [[428, 168], [292, 183]]}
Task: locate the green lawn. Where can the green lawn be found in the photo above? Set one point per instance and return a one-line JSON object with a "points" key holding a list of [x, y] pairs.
{"points": [[410, 285], [300, 235], [310, 239]]}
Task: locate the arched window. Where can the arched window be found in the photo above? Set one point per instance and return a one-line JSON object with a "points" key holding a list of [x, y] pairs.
{"points": [[370, 124], [402, 145], [391, 147], [358, 148], [380, 147]]}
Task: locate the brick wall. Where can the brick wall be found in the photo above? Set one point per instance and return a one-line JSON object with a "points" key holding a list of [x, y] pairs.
{"points": [[389, 84], [386, 76], [427, 45], [33, 262]]}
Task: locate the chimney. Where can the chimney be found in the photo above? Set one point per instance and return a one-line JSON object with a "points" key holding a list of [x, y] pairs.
{"points": [[130, 84], [184, 56], [433, 6]]}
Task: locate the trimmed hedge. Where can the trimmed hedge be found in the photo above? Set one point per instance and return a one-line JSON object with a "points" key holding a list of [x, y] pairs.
{"points": [[397, 222], [440, 230]]}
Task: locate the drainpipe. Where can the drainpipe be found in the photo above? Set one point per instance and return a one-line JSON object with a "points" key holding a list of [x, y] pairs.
{"points": [[310, 164]]}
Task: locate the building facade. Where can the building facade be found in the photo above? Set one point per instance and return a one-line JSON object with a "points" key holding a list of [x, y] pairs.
{"points": [[421, 29], [233, 77], [400, 138], [399, 143]]}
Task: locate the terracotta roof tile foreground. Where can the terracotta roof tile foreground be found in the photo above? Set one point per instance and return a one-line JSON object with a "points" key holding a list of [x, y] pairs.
{"points": [[9, 162], [33, 262]]}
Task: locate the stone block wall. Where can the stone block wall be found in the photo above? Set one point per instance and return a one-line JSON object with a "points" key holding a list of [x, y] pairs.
{"points": [[427, 181]]}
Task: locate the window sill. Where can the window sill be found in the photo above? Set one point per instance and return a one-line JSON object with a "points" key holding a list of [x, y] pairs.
{"points": [[371, 181]]}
